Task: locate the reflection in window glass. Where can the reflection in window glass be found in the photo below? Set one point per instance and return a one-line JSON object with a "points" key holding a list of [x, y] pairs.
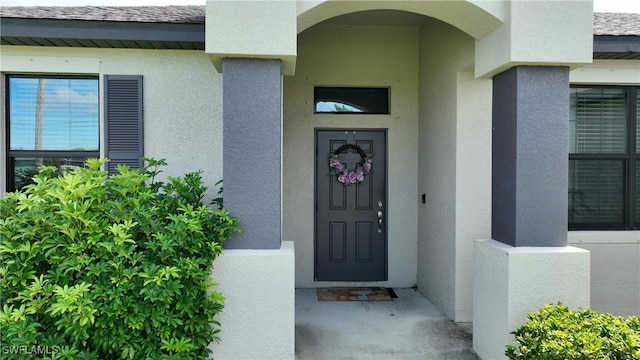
{"points": [[53, 114], [51, 120], [596, 193], [25, 168], [351, 100], [334, 106]]}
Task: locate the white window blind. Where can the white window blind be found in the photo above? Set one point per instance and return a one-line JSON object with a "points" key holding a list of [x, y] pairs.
{"points": [[598, 121]]}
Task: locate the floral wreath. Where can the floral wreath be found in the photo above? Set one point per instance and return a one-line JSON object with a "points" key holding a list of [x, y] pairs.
{"points": [[345, 175]]}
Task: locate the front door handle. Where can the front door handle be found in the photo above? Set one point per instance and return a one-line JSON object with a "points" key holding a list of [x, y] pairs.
{"points": [[380, 221]]}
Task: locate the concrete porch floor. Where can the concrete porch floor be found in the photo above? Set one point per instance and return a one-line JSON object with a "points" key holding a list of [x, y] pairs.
{"points": [[409, 327]]}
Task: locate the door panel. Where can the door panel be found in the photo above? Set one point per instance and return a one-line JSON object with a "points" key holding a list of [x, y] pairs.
{"points": [[350, 241]]}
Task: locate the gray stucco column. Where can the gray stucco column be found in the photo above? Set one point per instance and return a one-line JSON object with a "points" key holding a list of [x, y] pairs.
{"points": [[252, 150], [530, 156]]}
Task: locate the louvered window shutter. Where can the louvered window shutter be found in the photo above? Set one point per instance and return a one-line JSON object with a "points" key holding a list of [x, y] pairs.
{"points": [[123, 120]]}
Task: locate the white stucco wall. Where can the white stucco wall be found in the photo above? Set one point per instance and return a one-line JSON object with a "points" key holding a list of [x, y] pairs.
{"points": [[510, 282], [615, 269], [182, 98], [486, 15], [455, 167], [258, 319], [473, 182], [524, 37], [607, 72], [353, 56], [436, 218], [252, 29]]}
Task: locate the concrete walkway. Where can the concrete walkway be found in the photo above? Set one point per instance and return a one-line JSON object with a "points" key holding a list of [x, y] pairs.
{"points": [[409, 327]]}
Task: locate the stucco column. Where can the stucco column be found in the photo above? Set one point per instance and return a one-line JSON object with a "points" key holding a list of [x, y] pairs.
{"points": [[530, 156], [252, 115], [528, 263], [510, 282]]}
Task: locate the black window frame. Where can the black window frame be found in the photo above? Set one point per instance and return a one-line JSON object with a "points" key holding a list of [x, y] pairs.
{"points": [[352, 89], [11, 155], [629, 159]]}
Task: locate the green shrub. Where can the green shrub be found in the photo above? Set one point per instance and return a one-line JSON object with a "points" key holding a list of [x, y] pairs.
{"points": [[555, 332], [97, 267]]}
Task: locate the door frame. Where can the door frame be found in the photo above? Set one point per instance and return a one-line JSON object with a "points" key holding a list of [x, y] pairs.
{"points": [[385, 131]]}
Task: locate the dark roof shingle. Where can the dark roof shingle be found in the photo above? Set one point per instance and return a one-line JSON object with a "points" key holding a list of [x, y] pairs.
{"points": [[617, 24], [192, 14]]}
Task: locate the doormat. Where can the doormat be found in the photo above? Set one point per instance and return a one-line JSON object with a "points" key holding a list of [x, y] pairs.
{"points": [[355, 294]]}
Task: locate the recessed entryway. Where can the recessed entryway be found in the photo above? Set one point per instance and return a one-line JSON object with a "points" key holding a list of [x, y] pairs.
{"points": [[409, 327]]}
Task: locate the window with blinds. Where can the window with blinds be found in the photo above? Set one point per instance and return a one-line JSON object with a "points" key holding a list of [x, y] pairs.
{"points": [[604, 131], [54, 120], [51, 120]]}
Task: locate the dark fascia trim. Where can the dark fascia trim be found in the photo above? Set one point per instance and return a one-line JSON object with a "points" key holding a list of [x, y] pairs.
{"points": [[616, 44], [102, 30]]}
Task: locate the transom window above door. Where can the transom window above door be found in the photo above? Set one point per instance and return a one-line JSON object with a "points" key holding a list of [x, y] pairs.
{"points": [[351, 100]]}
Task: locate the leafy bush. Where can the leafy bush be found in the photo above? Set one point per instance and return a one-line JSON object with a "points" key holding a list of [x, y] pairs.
{"points": [[555, 332], [97, 267]]}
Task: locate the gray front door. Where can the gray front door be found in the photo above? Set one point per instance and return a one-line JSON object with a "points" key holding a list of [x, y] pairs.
{"points": [[351, 216]]}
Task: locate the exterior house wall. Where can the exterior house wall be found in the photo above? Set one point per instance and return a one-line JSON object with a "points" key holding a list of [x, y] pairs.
{"points": [[510, 282], [455, 167], [253, 29], [524, 36], [182, 99], [615, 255], [183, 124], [487, 15], [615, 265], [258, 319], [473, 176], [439, 140], [607, 72], [353, 56]]}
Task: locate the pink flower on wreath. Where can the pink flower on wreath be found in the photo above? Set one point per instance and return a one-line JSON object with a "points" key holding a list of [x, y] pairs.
{"points": [[352, 177], [336, 163], [359, 175], [342, 178], [367, 165]]}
